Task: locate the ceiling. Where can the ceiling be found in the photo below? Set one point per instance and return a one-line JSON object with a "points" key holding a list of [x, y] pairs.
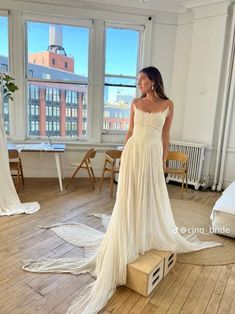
{"points": [[145, 6], [141, 7], [158, 5]]}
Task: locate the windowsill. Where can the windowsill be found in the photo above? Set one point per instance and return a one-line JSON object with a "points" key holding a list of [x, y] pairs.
{"points": [[70, 146]]}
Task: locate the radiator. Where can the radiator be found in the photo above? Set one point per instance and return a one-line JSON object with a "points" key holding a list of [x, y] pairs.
{"points": [[195, 162]]}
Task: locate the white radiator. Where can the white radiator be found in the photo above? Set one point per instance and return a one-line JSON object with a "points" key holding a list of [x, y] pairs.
{"points": [[195, 162]]}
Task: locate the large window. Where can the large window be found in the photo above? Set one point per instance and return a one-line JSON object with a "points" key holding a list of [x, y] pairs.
{"points": [[121, 64], [4, 65], [57, 75]]}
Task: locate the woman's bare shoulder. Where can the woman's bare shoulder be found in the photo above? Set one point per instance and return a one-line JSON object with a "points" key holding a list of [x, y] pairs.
{"points": [[169, 103], [135, 102]]}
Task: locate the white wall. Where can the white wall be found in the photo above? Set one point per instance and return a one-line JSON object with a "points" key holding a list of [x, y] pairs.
{"points": [[204, 74], [197, 76], [163, 46], [231, 140], [181, 72], [230, 154]]}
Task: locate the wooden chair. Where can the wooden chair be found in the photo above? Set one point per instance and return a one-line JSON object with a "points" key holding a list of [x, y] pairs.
{"points": [[112, 158], [85, 164], [16, 166], [180, 167]]}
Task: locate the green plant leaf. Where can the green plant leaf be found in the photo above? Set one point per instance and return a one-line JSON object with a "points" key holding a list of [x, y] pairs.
{"points": [[9, 87]]}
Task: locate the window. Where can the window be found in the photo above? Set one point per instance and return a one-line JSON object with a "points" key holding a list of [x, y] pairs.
{"points": [[30, 73], [71, 97], [52, 48], [106, 114], [46, 76], [56, 96], [33, 92], [4, 65], [49, 94], [122, 50], [84, 113]]}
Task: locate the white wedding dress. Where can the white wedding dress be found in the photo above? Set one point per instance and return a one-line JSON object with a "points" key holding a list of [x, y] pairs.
{"points": [[10, 203], [141, 220]]}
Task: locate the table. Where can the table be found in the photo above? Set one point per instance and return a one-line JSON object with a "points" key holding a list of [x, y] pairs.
{"points": [[57, 149]]}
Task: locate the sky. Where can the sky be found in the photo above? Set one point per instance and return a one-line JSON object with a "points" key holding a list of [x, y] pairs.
{"points": [[3, 36], [121, 51], [121, 46]]}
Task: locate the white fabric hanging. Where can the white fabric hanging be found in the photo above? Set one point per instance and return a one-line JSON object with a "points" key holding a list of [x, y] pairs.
{"points": [[9, 201]]}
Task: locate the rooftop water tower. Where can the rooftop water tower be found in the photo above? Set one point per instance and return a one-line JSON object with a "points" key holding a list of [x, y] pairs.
{"points": [[56, 39]]}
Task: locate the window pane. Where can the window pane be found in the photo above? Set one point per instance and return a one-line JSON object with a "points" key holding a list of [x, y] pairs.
{"points": [[4, 65], [121, 51], [120, 77], [53, 114], [117, 107], [58, 53]]}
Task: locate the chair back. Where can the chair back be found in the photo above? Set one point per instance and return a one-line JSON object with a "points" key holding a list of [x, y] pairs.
{"points": [[91, 153], [15, 166], [13, 154], [178, 156], [177, 165], [114, 153]]}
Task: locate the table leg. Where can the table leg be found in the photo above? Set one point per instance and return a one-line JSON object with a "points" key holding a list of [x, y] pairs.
{"points": [[59, 169]]}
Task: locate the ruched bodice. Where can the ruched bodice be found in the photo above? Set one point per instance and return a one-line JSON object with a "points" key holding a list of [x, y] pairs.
{"points": [[148, 124], [148, 127]]}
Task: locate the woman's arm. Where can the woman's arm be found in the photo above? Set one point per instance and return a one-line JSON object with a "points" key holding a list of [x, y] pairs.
{"points": [[131, 123], [166, 132]]}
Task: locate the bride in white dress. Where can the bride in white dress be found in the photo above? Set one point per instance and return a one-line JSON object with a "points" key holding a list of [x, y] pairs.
{"points": [[142, 218]]}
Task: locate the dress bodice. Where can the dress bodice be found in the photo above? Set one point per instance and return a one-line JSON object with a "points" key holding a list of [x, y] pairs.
{"points": [[148, 125]]}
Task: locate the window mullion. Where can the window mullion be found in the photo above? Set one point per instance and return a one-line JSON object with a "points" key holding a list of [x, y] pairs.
{"points": [[16, 60], [96, 75]]}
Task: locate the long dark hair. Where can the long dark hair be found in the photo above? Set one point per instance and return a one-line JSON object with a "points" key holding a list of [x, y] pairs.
{"points": [[155, 76]]}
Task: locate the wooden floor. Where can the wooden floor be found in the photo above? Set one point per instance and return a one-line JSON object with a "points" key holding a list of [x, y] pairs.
{"points": [[186, 289]]}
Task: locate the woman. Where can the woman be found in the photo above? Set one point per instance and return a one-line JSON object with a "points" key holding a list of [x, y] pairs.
{"points": [[153, 99], [142, 218]]}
